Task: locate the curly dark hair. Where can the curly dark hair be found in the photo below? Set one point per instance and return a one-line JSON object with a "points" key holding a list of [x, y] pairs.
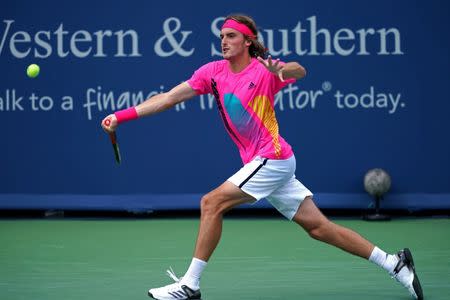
{"points": [[256, 48]]}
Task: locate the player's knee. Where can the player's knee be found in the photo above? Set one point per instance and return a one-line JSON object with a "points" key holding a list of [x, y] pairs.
{"points": [[318, 232], [209, 205]]}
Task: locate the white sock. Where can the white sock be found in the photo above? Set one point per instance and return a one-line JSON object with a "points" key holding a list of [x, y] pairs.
{"points": [[384, 260], [193, 274]]}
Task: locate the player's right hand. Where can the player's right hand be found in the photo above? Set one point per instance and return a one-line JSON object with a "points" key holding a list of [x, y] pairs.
{"points": [[109, 124]]}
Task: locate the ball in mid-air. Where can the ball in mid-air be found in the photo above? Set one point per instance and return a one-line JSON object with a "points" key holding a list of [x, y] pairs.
{"points": [[33, 70], [377, 182]]}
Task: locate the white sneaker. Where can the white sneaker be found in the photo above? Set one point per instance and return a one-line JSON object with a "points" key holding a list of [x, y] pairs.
{"points": [[174, 291], [405, 273]]}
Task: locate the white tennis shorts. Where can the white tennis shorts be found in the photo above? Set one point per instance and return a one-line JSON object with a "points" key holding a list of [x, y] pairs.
{"points": [[274, 180]]}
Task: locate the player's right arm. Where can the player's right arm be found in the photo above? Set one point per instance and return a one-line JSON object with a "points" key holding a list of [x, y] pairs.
{"points": [[153, 105], [164, 101]]}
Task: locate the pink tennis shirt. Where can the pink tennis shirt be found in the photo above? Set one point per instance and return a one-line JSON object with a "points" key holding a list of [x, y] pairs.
{"points": [[246, 104]]}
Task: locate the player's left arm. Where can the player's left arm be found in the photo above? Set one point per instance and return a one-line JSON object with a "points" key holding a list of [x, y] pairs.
{"points": [[283, 70], [292, 70]]}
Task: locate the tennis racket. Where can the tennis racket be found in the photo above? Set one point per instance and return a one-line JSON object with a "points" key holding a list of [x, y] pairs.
{"points": [[115, 144]]}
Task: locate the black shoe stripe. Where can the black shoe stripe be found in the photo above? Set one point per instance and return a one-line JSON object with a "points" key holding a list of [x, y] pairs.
{"points": [[182, 294], [402, 261], [409, 257], [191, 294], [175, 294]]}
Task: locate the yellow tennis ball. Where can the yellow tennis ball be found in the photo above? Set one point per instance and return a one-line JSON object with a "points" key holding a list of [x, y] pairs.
{"points": [[33, 70]]}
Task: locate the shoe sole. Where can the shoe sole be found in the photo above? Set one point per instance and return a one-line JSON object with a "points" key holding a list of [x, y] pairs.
{"points": [[151, 296], [416, 283]]}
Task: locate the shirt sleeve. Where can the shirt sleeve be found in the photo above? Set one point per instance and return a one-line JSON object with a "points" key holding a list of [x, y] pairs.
{"points": [[200, 81]]}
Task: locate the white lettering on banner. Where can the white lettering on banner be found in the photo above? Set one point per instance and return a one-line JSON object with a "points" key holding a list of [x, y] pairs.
{"points": [[41, 103], [291, 98], [81, 43], [60, 39], [67, 103], [207, 103], [10, 102], [180, 106], [168, 35], [383, 47], [322, 41], [215, 29], [120, 43], [110, 101], [101, 34], [15, 39], [294, 98], [301, 100], [305, 38], [369, 100], [84, 37], [284, 41], [42, 44], [5, 34]]}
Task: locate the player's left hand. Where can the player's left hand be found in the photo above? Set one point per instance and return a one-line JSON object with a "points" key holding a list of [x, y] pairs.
{"points": [[274, 68]]}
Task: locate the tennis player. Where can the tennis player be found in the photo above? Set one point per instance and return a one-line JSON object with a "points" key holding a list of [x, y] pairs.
{"points": [[244, 85]]}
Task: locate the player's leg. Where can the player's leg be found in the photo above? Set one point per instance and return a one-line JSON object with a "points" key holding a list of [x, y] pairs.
{"points": [[255, 180], [400, 266], [320, 228], [213, 206]]}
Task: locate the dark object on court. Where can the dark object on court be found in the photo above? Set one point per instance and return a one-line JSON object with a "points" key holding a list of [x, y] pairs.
{"points": [[377, 183]]}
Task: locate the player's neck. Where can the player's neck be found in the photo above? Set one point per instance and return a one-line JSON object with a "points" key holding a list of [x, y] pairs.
{"points": [[240, 63]]}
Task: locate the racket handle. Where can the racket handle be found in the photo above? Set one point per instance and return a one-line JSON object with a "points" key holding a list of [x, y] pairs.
{"points": [[113, 138]]}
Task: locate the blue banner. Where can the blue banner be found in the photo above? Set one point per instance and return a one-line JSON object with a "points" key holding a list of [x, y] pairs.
{"points": [[374, 95]]}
